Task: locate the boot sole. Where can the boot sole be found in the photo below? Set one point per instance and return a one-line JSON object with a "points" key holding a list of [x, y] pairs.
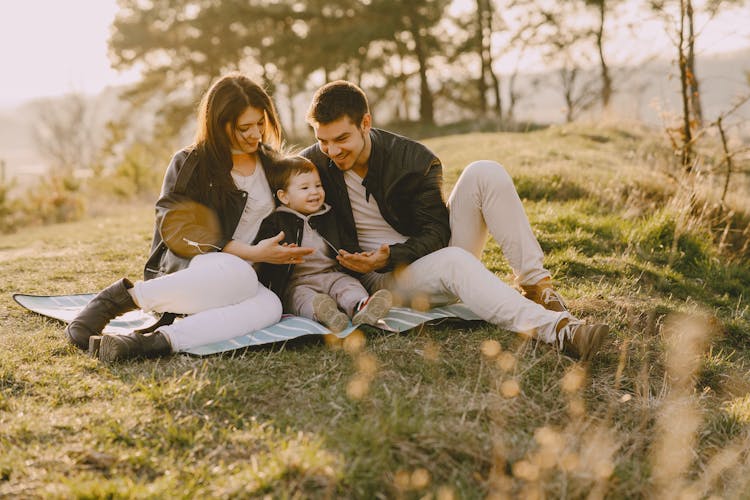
{"points": [[95, 342], [327, 312], [109, 351], [376, 309]]}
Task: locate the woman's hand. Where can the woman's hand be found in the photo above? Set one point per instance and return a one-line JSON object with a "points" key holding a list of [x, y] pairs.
{"points": [[272, 251]]}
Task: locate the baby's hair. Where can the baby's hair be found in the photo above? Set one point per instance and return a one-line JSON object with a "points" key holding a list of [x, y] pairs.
{"points": [[283, 169]]}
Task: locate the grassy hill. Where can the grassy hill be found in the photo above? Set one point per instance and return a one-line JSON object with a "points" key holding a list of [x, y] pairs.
{"points": [[455, 410]]}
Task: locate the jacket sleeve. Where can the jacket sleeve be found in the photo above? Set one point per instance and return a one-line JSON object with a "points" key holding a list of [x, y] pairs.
{"points": [[187, 226], [268, 228], [430, 218], [167, 186]]}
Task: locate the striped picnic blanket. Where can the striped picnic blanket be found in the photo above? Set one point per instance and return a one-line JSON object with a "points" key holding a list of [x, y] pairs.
{"points": [[399, 319]]}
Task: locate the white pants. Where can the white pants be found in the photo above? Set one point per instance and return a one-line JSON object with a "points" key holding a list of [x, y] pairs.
{"points": [[221, 295], [484, 198]]}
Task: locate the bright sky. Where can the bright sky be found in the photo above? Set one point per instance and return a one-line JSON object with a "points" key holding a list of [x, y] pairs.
{"points": [[50, 47]]}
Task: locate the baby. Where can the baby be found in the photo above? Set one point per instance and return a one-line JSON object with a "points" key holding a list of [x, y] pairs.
{"points": [[317, 288]]}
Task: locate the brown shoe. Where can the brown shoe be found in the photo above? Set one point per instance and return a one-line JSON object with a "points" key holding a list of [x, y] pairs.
{"points": [[579, 340], [543, 294]]}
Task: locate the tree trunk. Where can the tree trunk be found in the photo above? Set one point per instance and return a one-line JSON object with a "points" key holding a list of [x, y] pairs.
{"points": [[426, 107], [686, 153], [481, 44], [512, 96], [495, 80], [695, 96], [402, 106], [568, 76], [606, 92]]}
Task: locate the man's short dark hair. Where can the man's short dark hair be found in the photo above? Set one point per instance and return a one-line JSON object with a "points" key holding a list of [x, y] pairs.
{"points": [[335, 100]]}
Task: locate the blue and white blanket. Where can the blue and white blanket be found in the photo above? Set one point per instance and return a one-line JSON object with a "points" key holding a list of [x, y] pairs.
{"points": [[399, 319]]}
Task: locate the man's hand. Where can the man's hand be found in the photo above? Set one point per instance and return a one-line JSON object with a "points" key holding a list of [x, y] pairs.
{"points": [[365, 262]]}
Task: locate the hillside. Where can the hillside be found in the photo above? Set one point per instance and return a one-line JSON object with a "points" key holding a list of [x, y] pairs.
{"points": [[455, 410]]}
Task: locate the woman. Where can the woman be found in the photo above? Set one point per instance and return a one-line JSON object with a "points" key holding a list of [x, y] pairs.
{"points": [[217, 290]]}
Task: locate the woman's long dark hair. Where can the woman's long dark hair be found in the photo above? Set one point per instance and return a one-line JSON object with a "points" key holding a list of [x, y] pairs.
{"points": [[223, 104]]}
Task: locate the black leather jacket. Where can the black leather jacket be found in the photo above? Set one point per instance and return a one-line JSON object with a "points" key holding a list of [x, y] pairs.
{"points": [[162, 260], [406, 179], [276, 276]]}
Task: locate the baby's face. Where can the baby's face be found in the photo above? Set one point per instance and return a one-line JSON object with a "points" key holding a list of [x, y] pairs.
{"points": [[305, 193]]}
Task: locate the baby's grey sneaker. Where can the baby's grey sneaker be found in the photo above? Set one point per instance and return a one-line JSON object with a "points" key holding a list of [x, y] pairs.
{"points": [[374, 308], [326, 311]]}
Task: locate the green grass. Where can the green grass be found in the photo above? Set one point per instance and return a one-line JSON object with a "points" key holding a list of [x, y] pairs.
{"points": [[454, 410]]}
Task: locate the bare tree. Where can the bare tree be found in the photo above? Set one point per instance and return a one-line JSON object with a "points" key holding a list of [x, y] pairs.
{"points": [[603, 8], [486, 25], [63, 132]]}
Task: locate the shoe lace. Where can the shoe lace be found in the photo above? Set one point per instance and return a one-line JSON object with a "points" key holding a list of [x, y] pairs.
{"points": [[361, 304], [568, 331], [550, 295]]}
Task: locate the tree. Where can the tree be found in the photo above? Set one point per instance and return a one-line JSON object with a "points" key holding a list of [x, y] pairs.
{"points": [[63, 133], [602, 8], [486, 21], [565, 44], [412, 23], [182, 46]]}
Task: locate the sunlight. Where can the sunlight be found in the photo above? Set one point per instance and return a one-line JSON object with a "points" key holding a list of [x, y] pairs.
{"points": [[50, 48]]}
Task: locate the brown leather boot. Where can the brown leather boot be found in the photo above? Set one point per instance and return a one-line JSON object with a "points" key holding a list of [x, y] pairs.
{"points": [[579, 340], [133, 345], [545, 295], [106, 306]]}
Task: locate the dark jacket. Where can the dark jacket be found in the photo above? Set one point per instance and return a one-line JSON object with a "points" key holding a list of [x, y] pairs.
{"points": [[406, 180], [229, 209], [276, 276]]}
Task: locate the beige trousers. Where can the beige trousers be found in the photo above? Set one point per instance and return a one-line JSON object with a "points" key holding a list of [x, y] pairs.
{"points": [[346, 290], [483, 200]]}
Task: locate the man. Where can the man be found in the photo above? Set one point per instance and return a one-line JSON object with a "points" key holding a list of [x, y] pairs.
{"points": [[387, 192]]}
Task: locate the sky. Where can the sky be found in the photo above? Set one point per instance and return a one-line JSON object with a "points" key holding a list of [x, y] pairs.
{"points": [[51, 47]]}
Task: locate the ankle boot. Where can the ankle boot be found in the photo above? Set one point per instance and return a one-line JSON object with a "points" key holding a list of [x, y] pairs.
{"points": [[133, 345], [106, 306]]}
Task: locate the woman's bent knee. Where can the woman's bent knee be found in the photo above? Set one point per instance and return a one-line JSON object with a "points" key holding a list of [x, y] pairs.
{"points": [[227, 271]]}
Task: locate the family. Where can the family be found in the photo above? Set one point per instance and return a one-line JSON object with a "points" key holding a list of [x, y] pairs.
{"points": [[350, 226]]}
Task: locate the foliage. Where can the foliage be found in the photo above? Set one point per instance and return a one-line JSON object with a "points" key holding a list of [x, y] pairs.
{"points": [[9, 218], [456, 410], [52, 200], [194, 43]]}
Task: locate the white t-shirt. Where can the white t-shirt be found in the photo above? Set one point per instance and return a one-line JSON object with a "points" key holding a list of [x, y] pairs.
{"points": [[258, 206], [372, 229]]}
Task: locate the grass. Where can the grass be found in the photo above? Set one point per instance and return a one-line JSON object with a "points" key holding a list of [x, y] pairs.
{"points": [[456, 410]]}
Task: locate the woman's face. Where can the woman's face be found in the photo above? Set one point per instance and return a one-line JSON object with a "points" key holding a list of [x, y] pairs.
{"points": [[246, 136]]}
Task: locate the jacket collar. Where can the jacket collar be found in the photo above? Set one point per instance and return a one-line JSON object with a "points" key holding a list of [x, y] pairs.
{"points": [[324, 209]]}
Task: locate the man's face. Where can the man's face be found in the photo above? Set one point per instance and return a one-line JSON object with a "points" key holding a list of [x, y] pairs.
{"points": [[344, 142]]}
